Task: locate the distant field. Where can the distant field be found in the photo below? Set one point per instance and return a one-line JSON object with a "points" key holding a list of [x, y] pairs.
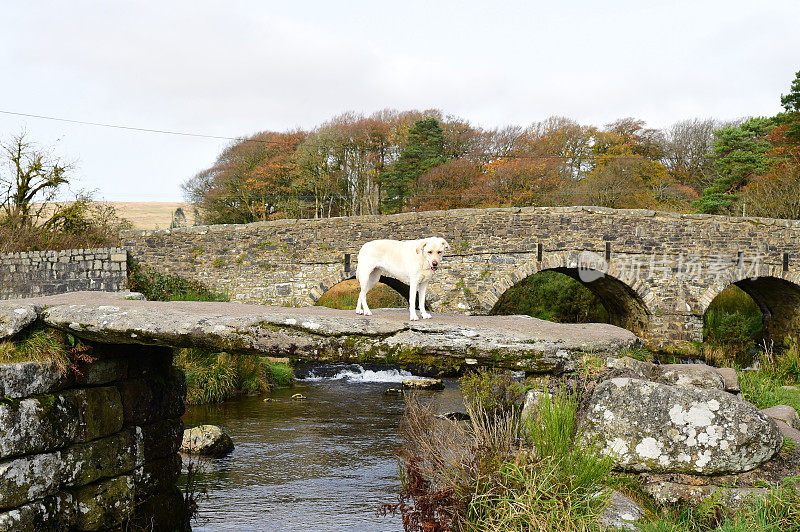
{"points": [[151, 214]]}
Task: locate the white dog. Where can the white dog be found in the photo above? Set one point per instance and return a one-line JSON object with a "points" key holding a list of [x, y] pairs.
{"points": [[410, 261]]}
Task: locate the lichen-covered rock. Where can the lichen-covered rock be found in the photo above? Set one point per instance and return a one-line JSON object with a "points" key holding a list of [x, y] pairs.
{"points": [[699, 375], [55, 513], [207, 440], [731, 379], [29, 478], [621, 513], [784, 413], [15, 317], [674, 492], [423, 384], [322, 334], [37, 424], [24, 379], [648, 426], [531, 402], [108, 457], [104, 504]]}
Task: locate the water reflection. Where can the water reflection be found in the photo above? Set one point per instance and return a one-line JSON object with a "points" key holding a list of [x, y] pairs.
{"points": [[325, 463]]}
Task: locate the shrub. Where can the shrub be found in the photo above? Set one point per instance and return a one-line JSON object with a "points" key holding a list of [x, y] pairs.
{"points": [[732, 322], [160, 286], [493, 390], [279, 373], [481, 477]]}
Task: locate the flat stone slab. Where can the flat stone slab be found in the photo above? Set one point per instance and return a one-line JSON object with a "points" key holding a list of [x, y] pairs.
{"points": [[320, 333], [15, 317]]}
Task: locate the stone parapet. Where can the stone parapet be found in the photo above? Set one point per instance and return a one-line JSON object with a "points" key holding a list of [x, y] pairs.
{"points": [[42, 273]]}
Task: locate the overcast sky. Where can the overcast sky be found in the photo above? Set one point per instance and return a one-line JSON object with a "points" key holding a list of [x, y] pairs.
{"points": [[233, 68]]}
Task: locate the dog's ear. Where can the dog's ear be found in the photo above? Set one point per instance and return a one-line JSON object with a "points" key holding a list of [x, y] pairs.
{"points": [[421, 247], [445, 244]]}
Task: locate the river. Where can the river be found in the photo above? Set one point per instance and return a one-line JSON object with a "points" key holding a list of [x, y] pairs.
{"points": [[323, 463]]}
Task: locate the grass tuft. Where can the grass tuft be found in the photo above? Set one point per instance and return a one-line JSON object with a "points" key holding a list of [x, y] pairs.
{"points": [[49, 347], [218, 377]]}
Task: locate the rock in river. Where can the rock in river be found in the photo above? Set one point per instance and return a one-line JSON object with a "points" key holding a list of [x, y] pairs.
{"points": [[207, 440], [649, 426], [423, 384]]}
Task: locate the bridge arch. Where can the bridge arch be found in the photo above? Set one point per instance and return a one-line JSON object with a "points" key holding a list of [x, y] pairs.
{"points": [[624, 297], [332, 280], [776, 293]]}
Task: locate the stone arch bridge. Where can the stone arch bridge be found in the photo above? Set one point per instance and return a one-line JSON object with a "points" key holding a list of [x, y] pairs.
{"points": [[655, 272]]}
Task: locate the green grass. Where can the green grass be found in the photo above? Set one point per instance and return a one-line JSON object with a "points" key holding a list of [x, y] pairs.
{"points": [[48, 347], [279, 374], [552, 296], [556, 483], [218, 377], [763, 387]]}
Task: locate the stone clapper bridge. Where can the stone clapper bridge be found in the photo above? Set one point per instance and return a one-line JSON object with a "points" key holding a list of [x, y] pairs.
{"points": [[90, 451], [656, 273]]}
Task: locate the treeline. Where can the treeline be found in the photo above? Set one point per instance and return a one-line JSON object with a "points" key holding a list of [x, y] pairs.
{"points": [[396, 161]]}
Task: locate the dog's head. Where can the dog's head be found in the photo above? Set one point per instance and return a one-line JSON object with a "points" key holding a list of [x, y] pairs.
{"points": [[432, 250]]}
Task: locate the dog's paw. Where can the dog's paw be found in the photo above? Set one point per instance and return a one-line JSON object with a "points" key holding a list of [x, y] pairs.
{"points": [[367, 313], [413, 317], [359, 311], [426, 316]]}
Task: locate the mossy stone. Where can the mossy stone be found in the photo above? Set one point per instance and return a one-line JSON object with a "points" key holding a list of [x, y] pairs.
{"points": [[105, 504]]}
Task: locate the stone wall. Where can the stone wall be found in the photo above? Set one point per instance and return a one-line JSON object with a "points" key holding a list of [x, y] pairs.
{"points": [[661, 270], [42, 273], [94, 451]]}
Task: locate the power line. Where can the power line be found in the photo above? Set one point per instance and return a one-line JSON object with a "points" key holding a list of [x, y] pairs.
{"points": [[271, 142], [116, 126]]}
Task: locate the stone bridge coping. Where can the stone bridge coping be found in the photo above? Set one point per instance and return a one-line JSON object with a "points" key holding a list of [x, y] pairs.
{"points": [[460, 213], [311, 333]]}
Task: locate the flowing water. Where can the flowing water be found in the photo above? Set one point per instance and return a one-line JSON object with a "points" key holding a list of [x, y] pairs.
{"points": [[324, 463]]}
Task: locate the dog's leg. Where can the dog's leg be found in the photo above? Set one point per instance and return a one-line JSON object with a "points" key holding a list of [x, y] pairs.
{"points": [[361, 304], [412, 303], [368, 285], [423, 289]]}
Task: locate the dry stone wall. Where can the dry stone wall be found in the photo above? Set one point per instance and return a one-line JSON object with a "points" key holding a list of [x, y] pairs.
{"points": [[661, 270], [92, 451], [42, 273]]}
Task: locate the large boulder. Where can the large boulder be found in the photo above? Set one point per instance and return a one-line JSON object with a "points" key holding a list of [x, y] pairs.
{"points": [[699, 375], [207, 440], [649, 426]]}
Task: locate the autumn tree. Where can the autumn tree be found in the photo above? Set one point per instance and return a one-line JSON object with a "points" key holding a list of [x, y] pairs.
{"points": [[249, 181]]}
